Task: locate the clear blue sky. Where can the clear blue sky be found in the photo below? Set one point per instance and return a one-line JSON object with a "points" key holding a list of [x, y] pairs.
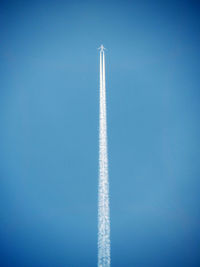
{"points": [[49, 73]]}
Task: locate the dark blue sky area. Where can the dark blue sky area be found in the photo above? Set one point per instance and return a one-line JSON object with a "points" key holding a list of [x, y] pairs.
{"points": [[49, 73]]}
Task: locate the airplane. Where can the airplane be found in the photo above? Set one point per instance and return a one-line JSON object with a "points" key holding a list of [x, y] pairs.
{"points": [[102, 48]]}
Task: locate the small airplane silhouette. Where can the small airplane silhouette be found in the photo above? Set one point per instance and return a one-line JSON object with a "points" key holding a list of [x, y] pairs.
{"points": [[102, 48]]}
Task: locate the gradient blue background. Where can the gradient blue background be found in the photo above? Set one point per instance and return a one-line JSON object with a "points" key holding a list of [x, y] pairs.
{"points": [[49, 132]]}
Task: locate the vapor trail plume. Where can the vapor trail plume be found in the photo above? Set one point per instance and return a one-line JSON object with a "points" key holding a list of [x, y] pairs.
{"points": [[103, 190]]}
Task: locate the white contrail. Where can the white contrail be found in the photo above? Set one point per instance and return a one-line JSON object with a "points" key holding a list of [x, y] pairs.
{"points": [[103, 190]]}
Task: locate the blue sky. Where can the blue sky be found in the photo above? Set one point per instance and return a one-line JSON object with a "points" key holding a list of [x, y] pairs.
{"points": [[49, 74]]}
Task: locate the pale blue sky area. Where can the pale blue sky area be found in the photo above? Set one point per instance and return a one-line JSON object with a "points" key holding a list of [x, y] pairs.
{"points": [[49, 73]]}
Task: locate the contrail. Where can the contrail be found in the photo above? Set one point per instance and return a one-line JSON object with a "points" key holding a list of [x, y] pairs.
{"points": [[103, 190]]}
